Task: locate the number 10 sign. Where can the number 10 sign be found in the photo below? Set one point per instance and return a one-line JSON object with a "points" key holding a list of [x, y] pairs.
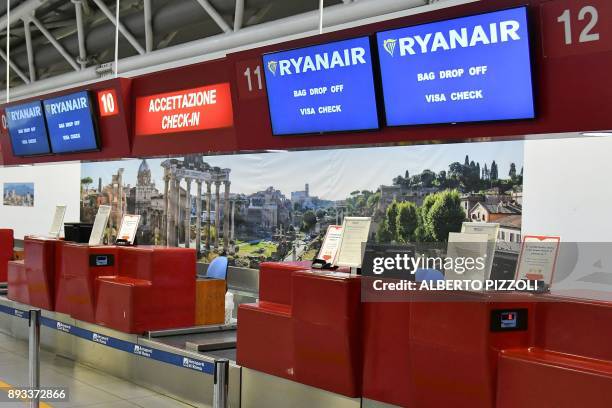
{"points": [[107, 102], [573, 27]]}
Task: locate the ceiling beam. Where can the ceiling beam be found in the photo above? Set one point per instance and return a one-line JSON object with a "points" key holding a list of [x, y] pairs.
{"points": [[53, 41], [214, 14], [238, 15], [25, 9], [122, 29], [15, 68], [78, 10], [148, 19]]}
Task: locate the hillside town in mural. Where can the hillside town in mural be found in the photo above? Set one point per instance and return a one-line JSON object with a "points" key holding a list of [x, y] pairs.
{"points": [[194, 205]]}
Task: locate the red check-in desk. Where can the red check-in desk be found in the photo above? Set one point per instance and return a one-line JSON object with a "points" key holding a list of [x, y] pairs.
{"points": [[442, 349], [17, 282], [154, 289], [570, 361], [130, 289], [42, 259], [6, 252], [306, 328], [77, 288], [454, 349]]}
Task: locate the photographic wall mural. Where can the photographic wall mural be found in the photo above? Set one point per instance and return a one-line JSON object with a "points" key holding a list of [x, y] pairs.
{"points": [[277, 205], [18, 194]]}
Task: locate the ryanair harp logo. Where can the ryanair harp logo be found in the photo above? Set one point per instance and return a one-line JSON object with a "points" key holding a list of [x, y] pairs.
{"points": [[272, 65], [389, 46]]}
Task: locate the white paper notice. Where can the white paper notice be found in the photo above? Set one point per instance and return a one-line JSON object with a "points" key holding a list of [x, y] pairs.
{"points": [[538, 258], [97, 232], [355, 231], [491, 230], [468, 254], [58, 221], [129, 226], [331, 243]]}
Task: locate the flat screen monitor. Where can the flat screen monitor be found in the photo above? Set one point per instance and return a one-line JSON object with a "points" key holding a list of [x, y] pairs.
{"points": [[27, 131], [322, 88], [470, 69], [71, 123]]}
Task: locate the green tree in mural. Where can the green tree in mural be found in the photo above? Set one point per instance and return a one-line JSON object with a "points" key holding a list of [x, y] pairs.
{"points": [[441, 179], [391, 218], [494, 175], [372, 202], [309, 220], [383, 235], [422, 234], [407, 222], [86, 181], [427, 178], [512, 172], [445, 215]]}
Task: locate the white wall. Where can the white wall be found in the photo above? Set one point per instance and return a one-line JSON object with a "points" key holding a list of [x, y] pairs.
{"points": [[567, 189], [53, 184]]}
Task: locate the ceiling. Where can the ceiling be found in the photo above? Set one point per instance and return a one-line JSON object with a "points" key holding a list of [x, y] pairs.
{"points": [[54, 29]]}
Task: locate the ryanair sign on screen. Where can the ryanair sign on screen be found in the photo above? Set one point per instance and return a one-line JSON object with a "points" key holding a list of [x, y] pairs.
{"points": [[323, 88], [208, 107], [318, 62], [469, 69]]}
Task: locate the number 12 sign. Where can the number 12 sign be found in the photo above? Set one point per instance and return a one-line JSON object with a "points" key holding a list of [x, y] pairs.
{"points": [[573, 27]]}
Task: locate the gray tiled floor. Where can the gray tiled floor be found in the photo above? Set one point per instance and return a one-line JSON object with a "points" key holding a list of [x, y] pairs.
{"points": [[87, 387]]}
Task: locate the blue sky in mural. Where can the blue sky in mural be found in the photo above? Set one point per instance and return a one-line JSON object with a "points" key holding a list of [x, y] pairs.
{"points": [[331, 174]]}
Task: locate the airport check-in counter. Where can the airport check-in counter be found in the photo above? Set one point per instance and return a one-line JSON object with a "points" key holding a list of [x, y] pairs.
{"points": [[6, 252], [311, 329], [460, 349], [67, 281], [129, 289]]}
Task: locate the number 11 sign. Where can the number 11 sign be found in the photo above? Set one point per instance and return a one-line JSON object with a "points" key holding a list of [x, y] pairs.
{"points": [[573, 27]]}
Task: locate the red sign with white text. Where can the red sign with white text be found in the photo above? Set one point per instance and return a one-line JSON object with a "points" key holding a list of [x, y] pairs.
{"points": [[208, 107], [108, 102]]}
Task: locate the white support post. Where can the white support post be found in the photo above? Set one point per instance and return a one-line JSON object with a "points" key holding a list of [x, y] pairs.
{"points": [[117, 25], [214, 14], [8, 50], [238, 15], [321, 6], [78, 10], [29, 50], [148, 17]]}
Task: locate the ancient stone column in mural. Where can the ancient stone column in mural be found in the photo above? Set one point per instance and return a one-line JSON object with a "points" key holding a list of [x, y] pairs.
{"points": [[217, 213], [208, 205], [199, 217], [232, 231], [177, 209], [188, 213], [226, 215], [170, 214], [164, 220]]}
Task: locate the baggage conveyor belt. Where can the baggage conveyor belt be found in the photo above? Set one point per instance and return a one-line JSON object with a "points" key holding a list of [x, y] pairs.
{"points": [[214, 341]]}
